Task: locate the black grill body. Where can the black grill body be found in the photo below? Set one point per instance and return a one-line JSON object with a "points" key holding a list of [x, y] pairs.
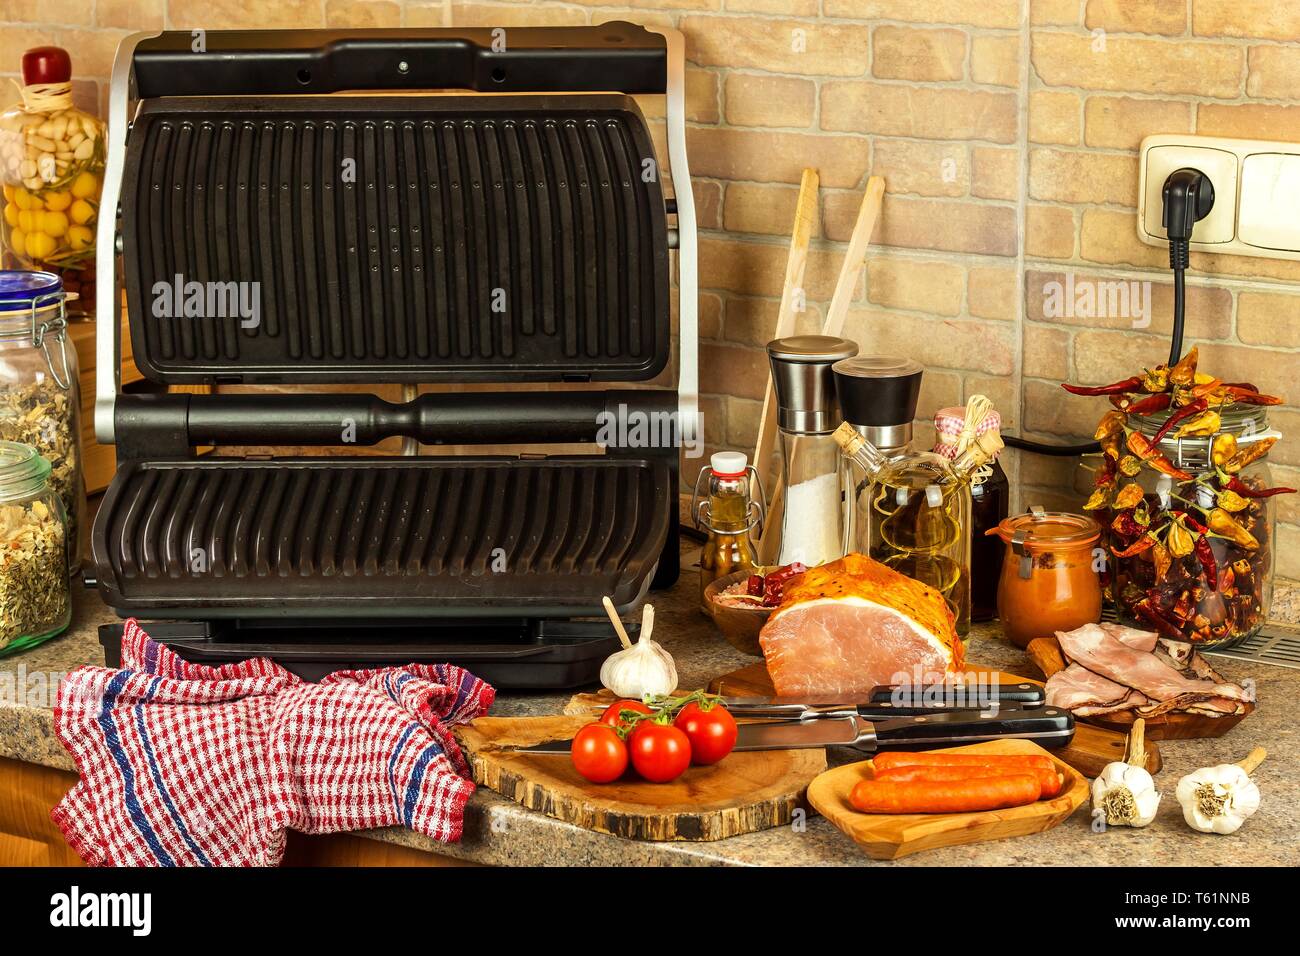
{"points": [[275, 229]]}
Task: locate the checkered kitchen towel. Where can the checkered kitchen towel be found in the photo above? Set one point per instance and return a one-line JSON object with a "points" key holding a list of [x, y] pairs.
{"points": [[183, 764]]}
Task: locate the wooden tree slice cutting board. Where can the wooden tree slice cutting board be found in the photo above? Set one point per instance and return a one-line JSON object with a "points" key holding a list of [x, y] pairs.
{"points": [[743, 793], [1090, 750], [890, 836]]}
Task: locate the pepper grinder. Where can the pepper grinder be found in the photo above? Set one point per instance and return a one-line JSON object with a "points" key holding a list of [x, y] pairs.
{"points": [[813, 525]]}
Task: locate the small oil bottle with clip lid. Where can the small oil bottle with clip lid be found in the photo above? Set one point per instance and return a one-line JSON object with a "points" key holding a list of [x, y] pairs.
{"points": [[728, 515]]}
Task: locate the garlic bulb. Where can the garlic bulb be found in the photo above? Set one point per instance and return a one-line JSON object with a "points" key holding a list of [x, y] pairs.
{"points": [[1124, 791], [1219, 799], [641, 668]]}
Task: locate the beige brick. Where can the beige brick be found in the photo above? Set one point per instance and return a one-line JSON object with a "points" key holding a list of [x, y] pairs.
{"points": [[752, 321], [1061, 13], [904, 53], [1272, 374], [1111, 237], [1082, 177], [924, 112], [992, 292], [14, 41], [743, 417], [928, 169], [239, 14], [713, 414], [1051, 410], [783, 46], [1054, 117], [1122, 122], [708, 204], [1265, 318], [1287, 550], [511, 15], [1288, 506], [658, 4], [995, 60], [947, 225], [758, 268], [786, 8], [987, 13], [1096, 300], [1249, 120], [121, 14], [922, 285], [770, 100], [934, 342], [1246, 18], [1285, 420], [709, 315], [1134, 64], [1046, 352], [1273, 72], [1049, 232], [72, 13], [741, 370], [1124, 16], [1246, 266], [938, 390], [760, 208], [1002, 390], [365, 13], [1047, 471], [841, 161], [995, 172], [92, 51], [702, 96]]}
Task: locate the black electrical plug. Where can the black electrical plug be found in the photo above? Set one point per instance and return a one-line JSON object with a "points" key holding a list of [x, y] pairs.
{"points": [[1188, 198]]}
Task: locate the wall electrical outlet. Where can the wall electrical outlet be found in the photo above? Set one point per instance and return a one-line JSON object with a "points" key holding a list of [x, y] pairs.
{"points": [[1256, 193]]}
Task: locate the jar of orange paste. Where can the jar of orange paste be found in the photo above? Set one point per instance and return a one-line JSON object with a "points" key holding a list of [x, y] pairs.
{"points": [[1050, 580]]}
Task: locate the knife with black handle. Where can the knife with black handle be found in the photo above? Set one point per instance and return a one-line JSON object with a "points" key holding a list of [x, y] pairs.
{"points": [[1046, 726]]}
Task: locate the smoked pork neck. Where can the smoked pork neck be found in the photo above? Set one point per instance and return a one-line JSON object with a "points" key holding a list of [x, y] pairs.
{"points": [[854, 624]]}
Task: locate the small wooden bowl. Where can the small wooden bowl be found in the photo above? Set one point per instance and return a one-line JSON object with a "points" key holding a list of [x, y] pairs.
{"points": [[739, 625]]}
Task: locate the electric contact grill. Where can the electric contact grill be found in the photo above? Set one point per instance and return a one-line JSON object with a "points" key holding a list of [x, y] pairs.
{"points": [[390, 222]]}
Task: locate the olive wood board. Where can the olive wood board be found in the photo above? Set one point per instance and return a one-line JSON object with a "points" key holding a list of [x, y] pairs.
{"points": [[890, 836], [1046, 654], [743, 793], [1088, 752]]}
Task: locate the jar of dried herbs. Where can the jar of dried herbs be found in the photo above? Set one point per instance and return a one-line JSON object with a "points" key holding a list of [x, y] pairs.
{"points": [[35, 593], [40, 401]]}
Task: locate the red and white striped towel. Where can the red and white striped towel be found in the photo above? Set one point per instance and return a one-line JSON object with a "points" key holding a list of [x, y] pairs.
{"points": [[183, 764]]}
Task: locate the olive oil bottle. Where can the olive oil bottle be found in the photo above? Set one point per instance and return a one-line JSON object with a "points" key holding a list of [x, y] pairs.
{"points": [[913, 513]]}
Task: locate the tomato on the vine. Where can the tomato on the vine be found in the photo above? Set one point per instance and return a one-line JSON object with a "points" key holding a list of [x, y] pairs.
{"points": [[660, 752], [613, 714], [598, 753], [711, 731]]}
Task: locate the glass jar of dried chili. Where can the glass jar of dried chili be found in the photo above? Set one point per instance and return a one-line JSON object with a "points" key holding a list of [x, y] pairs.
{"points": [[1208, 577]]}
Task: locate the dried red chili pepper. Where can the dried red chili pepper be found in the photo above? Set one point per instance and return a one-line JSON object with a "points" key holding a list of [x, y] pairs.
{"points": [[1144, 543], [1247, 397], [1148, 405], [1205, 555], [1240, 487], [1187, 411], [1140, 446], [1126, 525], [1114, 388], [1244, 456], [1184, 373], [1144, 610]]}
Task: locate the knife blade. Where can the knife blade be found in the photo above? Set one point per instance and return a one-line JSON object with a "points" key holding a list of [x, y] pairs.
{"points": [[894, 701], [1047, 726]]}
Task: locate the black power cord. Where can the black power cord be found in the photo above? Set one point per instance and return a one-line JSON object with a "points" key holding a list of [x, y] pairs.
{"points": [[1188, 198]]}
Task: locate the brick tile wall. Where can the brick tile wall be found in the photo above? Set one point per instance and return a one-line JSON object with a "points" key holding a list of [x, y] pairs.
{"points": [[1007, 132]]}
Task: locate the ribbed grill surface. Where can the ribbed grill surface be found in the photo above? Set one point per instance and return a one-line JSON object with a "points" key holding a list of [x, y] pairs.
{"points": [[400, 236], [227, 532]]}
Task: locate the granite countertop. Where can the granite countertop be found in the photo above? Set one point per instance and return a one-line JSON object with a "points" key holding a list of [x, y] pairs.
{"points": [[498, 831]]}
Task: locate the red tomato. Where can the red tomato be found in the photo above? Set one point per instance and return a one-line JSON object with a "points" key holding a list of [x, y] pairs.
{"points": [[598, 753], [660, 752], [613, 713], [712, 732]]}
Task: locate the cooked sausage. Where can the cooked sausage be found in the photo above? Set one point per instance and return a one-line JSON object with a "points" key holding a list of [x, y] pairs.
{"points": [[955, 796]]}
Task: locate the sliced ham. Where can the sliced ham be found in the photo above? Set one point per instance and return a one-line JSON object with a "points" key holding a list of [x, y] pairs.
{"points": [[1104, 654], [1131, 636], [1076, 686], [1133, 700], [854, 624]]}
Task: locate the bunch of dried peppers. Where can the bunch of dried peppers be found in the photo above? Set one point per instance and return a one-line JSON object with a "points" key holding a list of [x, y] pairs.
{"points": [[1167, 572]]}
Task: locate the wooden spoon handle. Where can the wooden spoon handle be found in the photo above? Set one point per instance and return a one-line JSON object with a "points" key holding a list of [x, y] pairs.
{"points": [[614, 619], [1253, 760]]}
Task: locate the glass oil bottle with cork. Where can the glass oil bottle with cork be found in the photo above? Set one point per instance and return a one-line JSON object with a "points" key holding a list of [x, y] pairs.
{"points": [[918, 513]]}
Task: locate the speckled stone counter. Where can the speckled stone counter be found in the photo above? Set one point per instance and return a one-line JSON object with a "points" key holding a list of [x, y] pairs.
{"points": [[498, 831]]}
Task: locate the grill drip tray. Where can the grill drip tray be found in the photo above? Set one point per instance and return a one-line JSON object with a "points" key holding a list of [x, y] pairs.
{"points": [[380, 538]]}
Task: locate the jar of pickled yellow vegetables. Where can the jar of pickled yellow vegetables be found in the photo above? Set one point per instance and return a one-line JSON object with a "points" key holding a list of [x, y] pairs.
{"points": [[52, 170]]}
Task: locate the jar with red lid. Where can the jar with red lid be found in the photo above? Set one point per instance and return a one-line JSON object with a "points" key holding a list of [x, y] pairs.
{"points": [[1050, 574]]}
